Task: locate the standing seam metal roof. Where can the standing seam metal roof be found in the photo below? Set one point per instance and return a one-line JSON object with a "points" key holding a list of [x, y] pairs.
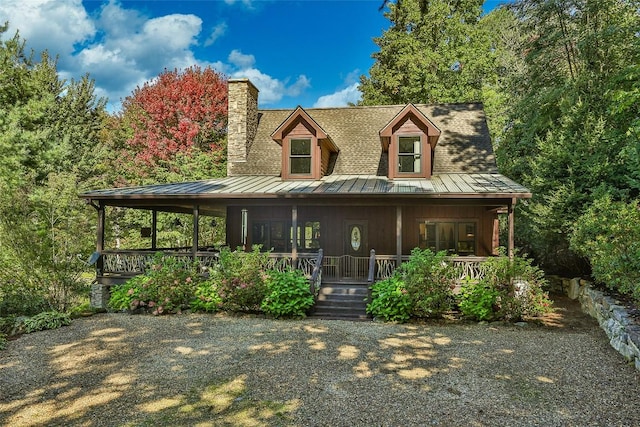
{"points": [[260, 186]]}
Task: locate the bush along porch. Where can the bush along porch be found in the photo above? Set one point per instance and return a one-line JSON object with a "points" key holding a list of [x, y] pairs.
{"points": [[427, 285]]}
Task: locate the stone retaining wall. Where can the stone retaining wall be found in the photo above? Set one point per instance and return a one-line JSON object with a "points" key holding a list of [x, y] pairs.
{"points": [[623, 332]]}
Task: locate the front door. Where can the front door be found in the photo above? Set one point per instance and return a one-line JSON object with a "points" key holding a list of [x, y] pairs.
{"points": [[356, 248]]}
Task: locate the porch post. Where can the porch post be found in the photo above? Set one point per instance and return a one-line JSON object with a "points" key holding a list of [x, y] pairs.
{"points": [[154, 229], [294, 225], [196, 222], [99, 296], [511, 244], [244, 226], [100, 237], [398, 235]]}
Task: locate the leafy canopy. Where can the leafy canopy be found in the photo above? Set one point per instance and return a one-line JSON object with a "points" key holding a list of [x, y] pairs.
{"points": [[177, 113]]}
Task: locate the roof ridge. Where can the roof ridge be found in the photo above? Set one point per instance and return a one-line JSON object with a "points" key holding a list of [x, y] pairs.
{"points": [[380, 106]]}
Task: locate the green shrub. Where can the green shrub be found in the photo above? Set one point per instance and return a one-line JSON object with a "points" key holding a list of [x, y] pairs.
{"points": [[206, 297], [3, 341], [240, 278], [478, 301], [288, 294], [10, 326], [390, 300], [429, 279], [83, 309], [122, 296], [519, 287], [608, 234], [21, 297], [167, 287], [42, 230], [46, 320]]}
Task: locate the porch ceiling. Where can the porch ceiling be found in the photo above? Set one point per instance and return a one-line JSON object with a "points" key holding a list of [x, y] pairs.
{"points": [[223, 190]]}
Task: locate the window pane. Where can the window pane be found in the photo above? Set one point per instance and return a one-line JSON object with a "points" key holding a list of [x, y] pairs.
{"points": [[446, 237], [409, 164], [278, 236], [260, 235], [453, 237], [311, 235], [428, 236], [466, 238], [301, 165], [409, 154], [409, 144], [300, 147]]}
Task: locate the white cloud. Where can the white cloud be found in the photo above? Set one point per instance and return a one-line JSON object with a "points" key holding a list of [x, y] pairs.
{"points": [[271, 89], [299, 86], [344, 97], [241, 60], [53, 25], [217, 32], [121, 48]]}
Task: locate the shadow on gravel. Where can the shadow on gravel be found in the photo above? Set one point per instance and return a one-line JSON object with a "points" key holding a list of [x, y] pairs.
{"points": [[121, 370]]}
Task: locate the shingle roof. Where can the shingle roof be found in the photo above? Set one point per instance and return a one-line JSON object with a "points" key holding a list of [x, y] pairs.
{"points": [[464, 145]]}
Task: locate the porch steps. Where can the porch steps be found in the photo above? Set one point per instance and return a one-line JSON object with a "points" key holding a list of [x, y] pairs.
{"points": [[342, 300]]}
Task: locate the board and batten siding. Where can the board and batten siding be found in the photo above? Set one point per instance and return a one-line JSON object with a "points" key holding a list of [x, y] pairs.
{"points": [[380, 221]]}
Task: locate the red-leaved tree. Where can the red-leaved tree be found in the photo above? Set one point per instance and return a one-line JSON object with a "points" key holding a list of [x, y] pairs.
{"points": [[175, 114]]}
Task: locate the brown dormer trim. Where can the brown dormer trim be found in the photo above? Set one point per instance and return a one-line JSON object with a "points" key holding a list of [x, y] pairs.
{"points": [[299, 114], [410, 112], [300, 125]]}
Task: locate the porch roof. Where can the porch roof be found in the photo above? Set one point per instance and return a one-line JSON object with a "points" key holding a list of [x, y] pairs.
{"points": [[454, 185]]}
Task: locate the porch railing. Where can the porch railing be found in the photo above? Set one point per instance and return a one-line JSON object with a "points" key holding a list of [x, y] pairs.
{"points": [[315, 266], [309, 263], [469, 266], [134, 262], [346, 267]]}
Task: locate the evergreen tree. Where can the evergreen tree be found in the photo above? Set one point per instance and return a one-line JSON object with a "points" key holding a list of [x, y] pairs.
{"points": [[572, 136], [46, 124], [433, 52], [48, 138]]}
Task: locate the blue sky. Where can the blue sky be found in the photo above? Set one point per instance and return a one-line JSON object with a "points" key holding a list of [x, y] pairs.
{"points": [[308, 53]]}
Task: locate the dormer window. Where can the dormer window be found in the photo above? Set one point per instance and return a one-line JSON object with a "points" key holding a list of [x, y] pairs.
{"points": [[300, 156], [306, 147], [409, 155], [410, 138]]}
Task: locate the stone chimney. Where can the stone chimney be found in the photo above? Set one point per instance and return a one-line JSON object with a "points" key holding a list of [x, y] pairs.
{"points": [[242, 122]]}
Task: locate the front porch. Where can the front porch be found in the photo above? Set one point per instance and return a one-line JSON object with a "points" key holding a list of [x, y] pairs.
{"points": [[117, 266]]}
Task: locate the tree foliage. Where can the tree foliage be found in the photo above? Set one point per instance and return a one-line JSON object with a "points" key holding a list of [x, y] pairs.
{"points": [[573, 130], [48, 130], [433, 52], [46, 124], [608, 233], [176, 122]]}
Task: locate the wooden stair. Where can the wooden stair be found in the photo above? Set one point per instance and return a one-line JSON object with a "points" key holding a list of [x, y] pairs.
{"points": [[342, 300]]}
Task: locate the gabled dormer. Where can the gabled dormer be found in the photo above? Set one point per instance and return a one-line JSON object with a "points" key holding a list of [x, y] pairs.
{"points": [[410, 139], [306, 147]]}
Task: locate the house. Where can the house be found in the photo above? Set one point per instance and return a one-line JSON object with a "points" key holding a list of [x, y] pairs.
{"points": [[348, 182]]}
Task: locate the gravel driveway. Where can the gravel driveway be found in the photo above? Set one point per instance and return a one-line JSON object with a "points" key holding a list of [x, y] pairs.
{"points": [[194, 369]]}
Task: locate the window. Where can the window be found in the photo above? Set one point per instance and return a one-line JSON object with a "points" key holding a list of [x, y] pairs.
{"points": [[409, 154], [309, 236], [454, 237], [300, 157], [278, 236]]}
